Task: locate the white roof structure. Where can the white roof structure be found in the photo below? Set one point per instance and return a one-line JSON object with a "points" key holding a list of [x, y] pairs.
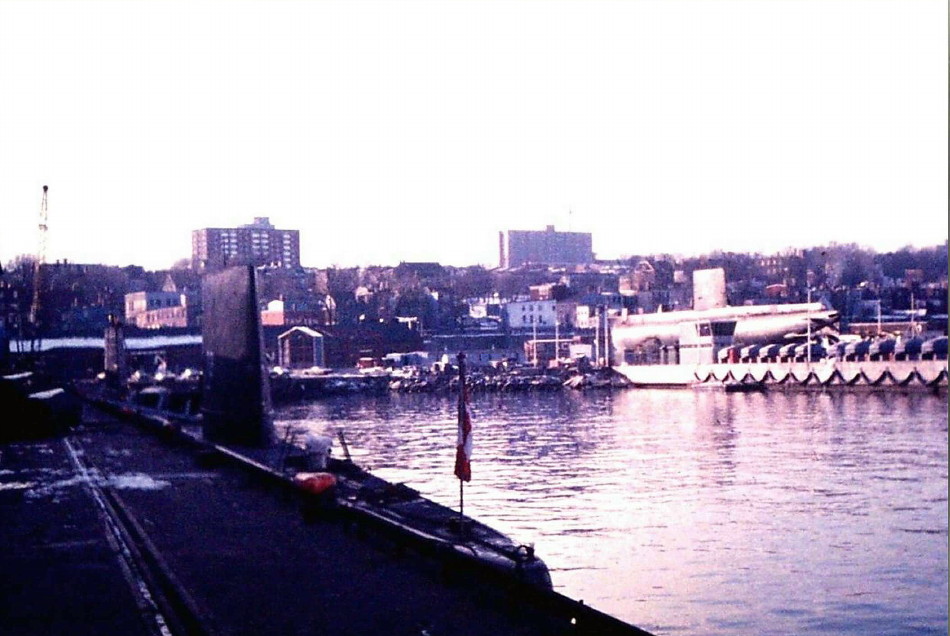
{"points": [[305, 330]]}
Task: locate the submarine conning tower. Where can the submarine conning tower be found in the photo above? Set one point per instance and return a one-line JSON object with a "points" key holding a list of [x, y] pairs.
{"points": [[115, 360], [236, 395]]}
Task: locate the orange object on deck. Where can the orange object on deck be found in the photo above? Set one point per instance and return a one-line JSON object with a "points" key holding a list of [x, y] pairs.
{"points": [[315, 483]]}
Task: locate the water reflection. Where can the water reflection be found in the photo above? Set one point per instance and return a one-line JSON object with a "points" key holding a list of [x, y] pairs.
{"points": [[700, 513]]}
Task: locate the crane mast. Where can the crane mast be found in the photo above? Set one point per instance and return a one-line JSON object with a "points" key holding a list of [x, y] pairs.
{"points": [[36, 305]]}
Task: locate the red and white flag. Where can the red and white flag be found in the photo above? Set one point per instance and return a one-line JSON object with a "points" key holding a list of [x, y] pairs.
{"points": [[463, 449]]}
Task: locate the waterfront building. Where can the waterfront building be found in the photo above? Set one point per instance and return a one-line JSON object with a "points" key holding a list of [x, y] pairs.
{"points": [[176, 305], [585, 316], [258, 244], [344, 345], [548, 247], [300, 348], [481, 349], [543, 352], [418, 359], [313, 312], [157, 309], [532, 315]]}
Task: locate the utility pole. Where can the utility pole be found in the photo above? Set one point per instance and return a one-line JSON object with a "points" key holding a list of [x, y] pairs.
{"points": [[534, 341], [597, 336], [913, 314], [808, 324]]}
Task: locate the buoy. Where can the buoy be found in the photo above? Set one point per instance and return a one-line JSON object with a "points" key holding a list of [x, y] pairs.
{"points": [[315, 483]]}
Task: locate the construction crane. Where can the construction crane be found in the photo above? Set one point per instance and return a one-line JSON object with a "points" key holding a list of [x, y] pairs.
{"points": [[38, 266]]}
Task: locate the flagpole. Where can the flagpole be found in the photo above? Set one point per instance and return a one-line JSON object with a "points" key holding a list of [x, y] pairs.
{"points": [[461, 415]]}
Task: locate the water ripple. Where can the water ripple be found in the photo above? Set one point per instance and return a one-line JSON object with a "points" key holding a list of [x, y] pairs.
{"points": [[694, 512]]}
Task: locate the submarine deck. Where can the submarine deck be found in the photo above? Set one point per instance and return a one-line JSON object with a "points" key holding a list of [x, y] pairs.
{"points": [[111, 529]]}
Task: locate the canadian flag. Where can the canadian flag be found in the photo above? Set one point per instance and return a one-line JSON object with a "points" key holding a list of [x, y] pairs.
{"points": [[463, 449]]}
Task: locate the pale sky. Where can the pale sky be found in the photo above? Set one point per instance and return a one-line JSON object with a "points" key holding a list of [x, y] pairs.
{"points": [[413, 131]]}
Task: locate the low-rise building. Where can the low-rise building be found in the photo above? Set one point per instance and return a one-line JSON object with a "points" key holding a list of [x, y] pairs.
{"points": [[480, 349], [157, 309], [531, 315], [312, 313], [174, 306], [300, 348]]}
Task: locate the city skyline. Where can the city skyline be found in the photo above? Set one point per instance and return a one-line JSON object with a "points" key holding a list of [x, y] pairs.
{"points": [[410, 131]]}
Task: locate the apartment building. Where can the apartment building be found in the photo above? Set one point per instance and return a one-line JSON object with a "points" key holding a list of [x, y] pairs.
{"points": [[547, 247], [258, 244]]}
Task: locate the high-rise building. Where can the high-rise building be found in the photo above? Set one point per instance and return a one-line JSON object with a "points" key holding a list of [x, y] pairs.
{"points": [[548, 247], [259, 243]]}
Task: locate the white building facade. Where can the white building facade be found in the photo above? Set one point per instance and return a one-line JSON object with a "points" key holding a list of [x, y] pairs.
{"points": [[531, 315]]}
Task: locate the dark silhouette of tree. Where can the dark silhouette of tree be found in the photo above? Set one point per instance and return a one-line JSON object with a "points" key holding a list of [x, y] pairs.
{"points": [[472, 282]]}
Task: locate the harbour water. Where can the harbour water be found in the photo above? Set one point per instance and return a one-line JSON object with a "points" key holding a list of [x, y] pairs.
{"points": [[689, 512]]}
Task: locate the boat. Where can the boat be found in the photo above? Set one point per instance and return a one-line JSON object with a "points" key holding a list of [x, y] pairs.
{"points": [[754, 324], [752, 348], [177, 404]]}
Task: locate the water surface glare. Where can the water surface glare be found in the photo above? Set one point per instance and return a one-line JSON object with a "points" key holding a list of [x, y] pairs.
{"points": [[692, 512]]}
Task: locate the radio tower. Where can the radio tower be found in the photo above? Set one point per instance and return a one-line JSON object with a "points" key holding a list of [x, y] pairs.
{"points": [[40, 261]]}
